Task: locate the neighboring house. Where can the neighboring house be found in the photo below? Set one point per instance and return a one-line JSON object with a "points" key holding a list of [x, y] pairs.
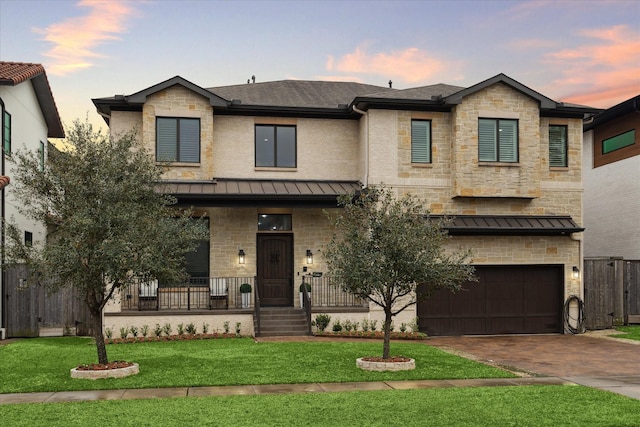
{"points": [[29, 117], [612, 182], [265, 161]]}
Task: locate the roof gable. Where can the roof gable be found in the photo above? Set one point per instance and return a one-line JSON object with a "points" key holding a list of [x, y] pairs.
{"points": [[15, 73], [545, 103], [141, 97]]}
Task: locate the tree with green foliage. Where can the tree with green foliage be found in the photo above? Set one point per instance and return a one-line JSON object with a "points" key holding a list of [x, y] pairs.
{"points": [[389, 251], [107, 224]]}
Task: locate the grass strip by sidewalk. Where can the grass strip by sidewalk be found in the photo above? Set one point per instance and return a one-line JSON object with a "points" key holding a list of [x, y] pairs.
{"points": [[43, 364], [485, 406]]}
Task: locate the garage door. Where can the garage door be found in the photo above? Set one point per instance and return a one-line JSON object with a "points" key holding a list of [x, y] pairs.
{"points": [[515, 299]]}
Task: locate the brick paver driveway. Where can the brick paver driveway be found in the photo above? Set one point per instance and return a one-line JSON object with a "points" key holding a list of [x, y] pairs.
{"points": [[550, 355]]}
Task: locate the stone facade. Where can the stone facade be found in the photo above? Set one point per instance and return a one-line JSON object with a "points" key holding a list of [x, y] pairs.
{"points": [[376, 149]]}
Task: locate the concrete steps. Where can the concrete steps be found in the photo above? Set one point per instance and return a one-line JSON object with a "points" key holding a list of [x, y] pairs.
{"points": [[282, 321]]}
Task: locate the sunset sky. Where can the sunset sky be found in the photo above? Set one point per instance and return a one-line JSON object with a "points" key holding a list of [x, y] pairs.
{"points": [[586, 52]]}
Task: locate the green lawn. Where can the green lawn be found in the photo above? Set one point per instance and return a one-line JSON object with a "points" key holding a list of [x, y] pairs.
{"points": [[459, 407], [628, 332], [43, 364]]}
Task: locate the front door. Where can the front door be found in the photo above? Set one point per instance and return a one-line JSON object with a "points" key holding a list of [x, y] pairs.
{"points": [[275, 269]]}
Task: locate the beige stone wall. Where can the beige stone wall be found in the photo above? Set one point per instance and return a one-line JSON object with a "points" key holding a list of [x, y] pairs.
{"points": [[178, 101], [122, 122], [326, 149]]}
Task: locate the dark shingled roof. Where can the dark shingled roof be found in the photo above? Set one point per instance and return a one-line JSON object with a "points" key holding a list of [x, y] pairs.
{"points": [[258, 192], [511, 225], [298, 93]]}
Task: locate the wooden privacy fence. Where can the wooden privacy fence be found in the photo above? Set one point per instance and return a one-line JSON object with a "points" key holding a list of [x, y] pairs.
{"points": [[31, 310], [611, 292]]}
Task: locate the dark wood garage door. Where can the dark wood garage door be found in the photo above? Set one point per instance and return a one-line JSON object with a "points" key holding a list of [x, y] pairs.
{"points": [[518, 299]]}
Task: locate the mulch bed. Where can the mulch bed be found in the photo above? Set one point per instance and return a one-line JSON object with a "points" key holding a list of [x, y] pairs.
{"points": [[373, 334], [116, 364]]}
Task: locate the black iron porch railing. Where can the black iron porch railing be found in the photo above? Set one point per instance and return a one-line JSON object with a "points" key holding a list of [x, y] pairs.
{"points": [[325, 294], [223, 293], [198, 293]]}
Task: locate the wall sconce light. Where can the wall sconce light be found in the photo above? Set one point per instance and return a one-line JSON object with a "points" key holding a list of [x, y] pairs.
{"points": [[241, 256], [309, 256], [576, 272]]}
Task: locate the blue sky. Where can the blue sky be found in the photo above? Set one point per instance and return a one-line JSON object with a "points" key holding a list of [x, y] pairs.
{"points": [[586, 52]]}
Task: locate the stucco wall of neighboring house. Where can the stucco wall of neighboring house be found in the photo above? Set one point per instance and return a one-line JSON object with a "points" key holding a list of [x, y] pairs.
{"points": [[611, 206], [28, 129]]}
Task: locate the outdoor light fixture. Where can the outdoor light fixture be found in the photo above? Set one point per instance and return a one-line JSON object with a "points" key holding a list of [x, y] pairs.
{"points": [[240, 256], [309, 256], [576, 272]]}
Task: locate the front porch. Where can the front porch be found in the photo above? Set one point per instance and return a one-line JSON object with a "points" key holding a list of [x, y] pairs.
{"points": [[223, 293]]}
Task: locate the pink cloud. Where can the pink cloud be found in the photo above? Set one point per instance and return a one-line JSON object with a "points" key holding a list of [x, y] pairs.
{"points": [[603, 71], [75, 40], [410, 65]]}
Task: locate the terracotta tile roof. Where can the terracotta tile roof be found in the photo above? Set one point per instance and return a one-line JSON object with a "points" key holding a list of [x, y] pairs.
{"points": [[13, 73]]}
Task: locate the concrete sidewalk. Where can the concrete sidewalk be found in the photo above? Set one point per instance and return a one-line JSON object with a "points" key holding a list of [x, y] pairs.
{"points": [[152, 393]]}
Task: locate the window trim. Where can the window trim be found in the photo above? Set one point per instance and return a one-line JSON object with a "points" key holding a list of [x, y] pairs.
{"points": [[275, 145], [497, 140], [177, 140], [428, 142], [566, 146]]}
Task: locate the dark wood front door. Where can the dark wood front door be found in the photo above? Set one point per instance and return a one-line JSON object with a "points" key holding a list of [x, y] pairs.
{"points": [[275, 269]]}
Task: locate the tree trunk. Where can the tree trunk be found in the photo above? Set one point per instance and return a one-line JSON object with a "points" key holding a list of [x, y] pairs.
{"points": [[387, 332], [99, 336]]}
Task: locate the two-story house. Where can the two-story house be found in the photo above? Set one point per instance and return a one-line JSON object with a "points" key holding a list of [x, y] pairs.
{"points": [[264, 163], [29, 117]]}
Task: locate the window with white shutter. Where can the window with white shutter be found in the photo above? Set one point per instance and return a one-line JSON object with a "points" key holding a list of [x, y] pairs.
{"points": [[498, 140], [558, 146], [177, 139], [420, 141]]}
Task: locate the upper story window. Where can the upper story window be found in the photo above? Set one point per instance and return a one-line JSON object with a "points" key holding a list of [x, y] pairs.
{"points": [[558, 146], [420, 141], [275, 146], [6, 133], [498, 140], [177, 139], [619, 141], [41, 156]]}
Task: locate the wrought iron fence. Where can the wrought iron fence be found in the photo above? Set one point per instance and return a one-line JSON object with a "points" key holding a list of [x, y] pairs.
{"points": [[199, 293], [324, 293]]}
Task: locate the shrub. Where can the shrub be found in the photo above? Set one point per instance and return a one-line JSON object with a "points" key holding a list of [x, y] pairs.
{"points": [[167, 329], [322, 321], [157, 330], [374, 325], [337, 326], [403, 327], [414, 325], [347, 325], [245, 288], [144, 330], [365, 325], [180, 329], [124, 332], [191, 329], [205, 328], [134, 331], [225, 325], [238, 327], [108, 332]]}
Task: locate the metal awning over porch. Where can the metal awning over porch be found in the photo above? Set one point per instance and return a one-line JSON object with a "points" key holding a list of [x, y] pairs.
{"points": [[258, 192], [505, 225]]}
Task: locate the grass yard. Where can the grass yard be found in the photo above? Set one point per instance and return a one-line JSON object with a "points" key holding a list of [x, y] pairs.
{"points": [[628, 332], [460, 407], [43, 364]]}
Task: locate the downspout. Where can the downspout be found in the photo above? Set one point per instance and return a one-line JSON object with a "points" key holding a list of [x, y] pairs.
{"points": [[580, 263], [366, 143]]}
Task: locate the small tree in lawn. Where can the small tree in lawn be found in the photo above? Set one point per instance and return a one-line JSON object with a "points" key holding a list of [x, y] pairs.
{"points": [[107, 225], [384, 246]]}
